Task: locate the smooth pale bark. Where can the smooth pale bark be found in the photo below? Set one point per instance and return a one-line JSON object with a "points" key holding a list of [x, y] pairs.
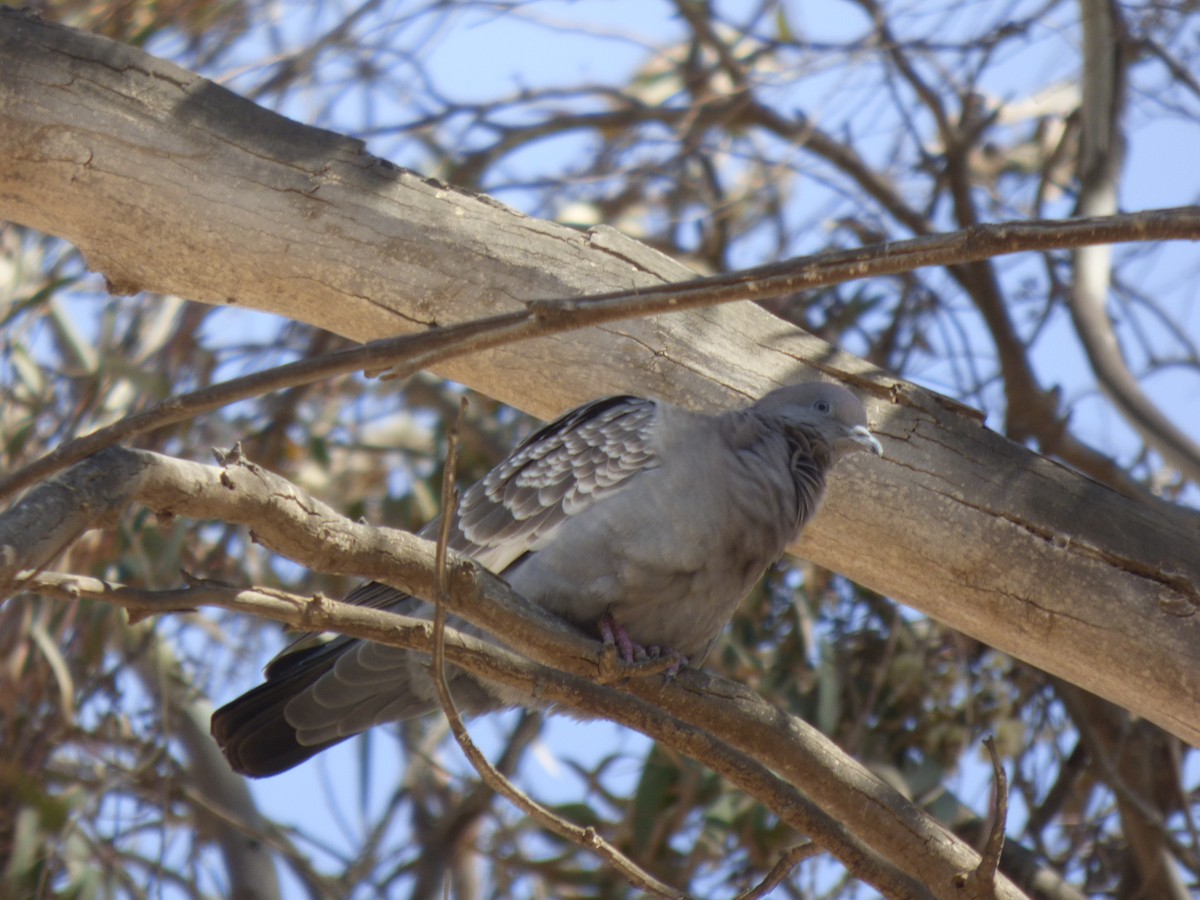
{"points": [[171, 184]]}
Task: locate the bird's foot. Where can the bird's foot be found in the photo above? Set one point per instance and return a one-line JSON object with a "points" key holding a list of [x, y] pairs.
{"points": [[613, 634], [657, 662], [649, 660]]}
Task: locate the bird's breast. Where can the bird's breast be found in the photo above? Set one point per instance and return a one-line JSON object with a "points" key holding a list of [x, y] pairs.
{"points": [[670, 559]]}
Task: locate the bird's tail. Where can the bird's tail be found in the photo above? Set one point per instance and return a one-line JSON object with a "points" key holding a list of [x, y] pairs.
{"points": [[252, 730]]}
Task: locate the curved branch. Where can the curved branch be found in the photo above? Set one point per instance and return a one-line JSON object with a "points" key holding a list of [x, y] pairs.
{"points": [[1101, 155], [870, 827]]}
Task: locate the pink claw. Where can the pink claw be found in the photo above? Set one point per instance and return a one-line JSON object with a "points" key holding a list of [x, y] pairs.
{"points": [[614, 634]]}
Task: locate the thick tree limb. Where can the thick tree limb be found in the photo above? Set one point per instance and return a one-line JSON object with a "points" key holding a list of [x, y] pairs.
{"points": [[410, 353], [167, 182], [781, 760]]}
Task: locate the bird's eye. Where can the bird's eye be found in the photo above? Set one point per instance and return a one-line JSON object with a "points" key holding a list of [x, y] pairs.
{"points": [[821, 406]]}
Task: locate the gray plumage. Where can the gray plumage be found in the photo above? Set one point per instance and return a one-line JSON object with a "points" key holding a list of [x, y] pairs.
{"points": [[657, 518]]}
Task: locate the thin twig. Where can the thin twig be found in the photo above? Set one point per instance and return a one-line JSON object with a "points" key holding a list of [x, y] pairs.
{"points": [[990, 862], [980, 883], [404, 355], [791, 858], [586, 838]]}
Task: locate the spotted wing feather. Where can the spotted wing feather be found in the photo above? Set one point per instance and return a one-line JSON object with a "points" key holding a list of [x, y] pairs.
{"points": [[557, 473]]}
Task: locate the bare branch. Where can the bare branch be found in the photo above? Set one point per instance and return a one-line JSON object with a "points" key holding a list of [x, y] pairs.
{"points": [[980, 882], [1134, 760], [782, 868], [728, 727], [403, 356], [1102, 151], [581, 837], [695, 690]]}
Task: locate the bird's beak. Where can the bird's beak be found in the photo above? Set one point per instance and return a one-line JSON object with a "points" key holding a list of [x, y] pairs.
{"points": [[865, 440]]}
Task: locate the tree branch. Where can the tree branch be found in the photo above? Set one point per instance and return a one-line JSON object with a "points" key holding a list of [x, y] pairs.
{"points": [[1102, 152], [404, 356], [875, 832]]}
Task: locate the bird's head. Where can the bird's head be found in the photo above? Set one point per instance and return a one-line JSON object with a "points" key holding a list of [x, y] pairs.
{"points": [[830, 408]]}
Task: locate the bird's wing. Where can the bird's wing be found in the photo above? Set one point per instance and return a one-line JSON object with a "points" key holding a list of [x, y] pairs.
{"points": [[580, 458], [558, 472]]}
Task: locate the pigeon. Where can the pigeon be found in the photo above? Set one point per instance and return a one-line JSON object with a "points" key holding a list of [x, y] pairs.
{"points": [[632, 519]]}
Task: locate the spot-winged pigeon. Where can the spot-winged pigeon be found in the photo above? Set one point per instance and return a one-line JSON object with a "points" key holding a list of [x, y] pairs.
{"points": [[625, 515]]}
